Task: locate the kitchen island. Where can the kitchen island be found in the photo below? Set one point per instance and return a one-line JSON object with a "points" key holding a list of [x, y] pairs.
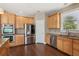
{"points": [[4, 47]]}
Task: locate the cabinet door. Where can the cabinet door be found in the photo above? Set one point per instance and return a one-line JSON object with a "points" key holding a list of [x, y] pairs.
{"points": [[19, 22], [58, 17], [50, 21], [67, 46], [54, 21], [26, 20], [11, 18], [4, 18], [60, 43], [76, 47], [4, 49], [47, 39], [30, 20], [19, 39]]}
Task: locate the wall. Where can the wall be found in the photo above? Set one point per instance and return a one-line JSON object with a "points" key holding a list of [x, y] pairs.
{"points": [[40, 27]]}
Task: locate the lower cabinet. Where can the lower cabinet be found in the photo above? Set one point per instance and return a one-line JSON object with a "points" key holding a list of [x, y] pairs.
{"points": [[4, 49], [60, 43], [67, 46], [19, 39], [64, 44], [47, 39], [76, 47]]}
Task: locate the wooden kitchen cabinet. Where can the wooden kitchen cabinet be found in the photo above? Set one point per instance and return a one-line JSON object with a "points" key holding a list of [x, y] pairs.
{"points": [[47, 39], [76, 47], [19, 39], [4, 49], [49, 22], [60, 43], [67, 45], [26, 20], [29, 20], [11, 18], [8, 18], [19, 22], [4, 18], [54, 21]]}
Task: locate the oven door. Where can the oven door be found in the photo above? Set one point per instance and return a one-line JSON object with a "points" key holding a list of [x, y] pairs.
{"points": [[7, 30], [11, 37]]}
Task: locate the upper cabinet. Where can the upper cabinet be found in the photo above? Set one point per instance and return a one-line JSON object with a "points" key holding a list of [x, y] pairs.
{"points": [[29, 20], [4, 18], [8, 18], [12, 18], [19, 22], [26, 20], [54, 21]]}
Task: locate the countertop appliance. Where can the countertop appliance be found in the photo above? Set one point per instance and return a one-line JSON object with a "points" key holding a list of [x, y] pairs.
{"points": [[8, 31], [29, 33], [53, 40]]}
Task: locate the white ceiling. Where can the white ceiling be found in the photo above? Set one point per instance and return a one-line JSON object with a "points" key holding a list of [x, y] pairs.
{"points": [[29, 9]]}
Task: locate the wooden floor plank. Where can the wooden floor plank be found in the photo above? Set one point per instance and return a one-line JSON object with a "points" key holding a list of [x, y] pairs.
{"points": [[35, 50]]}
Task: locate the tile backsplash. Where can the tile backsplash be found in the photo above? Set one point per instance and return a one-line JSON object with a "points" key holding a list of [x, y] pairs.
{"points": [[53, 31]]}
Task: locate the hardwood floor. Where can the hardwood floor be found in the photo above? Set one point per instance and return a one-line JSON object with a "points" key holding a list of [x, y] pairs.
{"points": [[35, 50]]}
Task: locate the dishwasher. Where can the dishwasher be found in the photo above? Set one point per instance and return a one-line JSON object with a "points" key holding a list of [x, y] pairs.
{"points": [[53, 40]]}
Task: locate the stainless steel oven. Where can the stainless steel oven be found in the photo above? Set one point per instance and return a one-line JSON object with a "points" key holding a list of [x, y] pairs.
{"points": [[7, 29]]}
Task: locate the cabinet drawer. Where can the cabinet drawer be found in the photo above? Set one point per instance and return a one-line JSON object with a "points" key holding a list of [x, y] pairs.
{"points": [[60, 43], [67, 46], [19, 39]]}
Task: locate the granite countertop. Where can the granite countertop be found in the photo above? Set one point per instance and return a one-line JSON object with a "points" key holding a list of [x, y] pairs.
{"points": [[2, 41], [67, 36], [70, 37]]}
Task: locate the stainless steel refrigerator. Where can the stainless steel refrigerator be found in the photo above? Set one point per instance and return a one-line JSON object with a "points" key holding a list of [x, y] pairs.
{"points": [[29, 33]]}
